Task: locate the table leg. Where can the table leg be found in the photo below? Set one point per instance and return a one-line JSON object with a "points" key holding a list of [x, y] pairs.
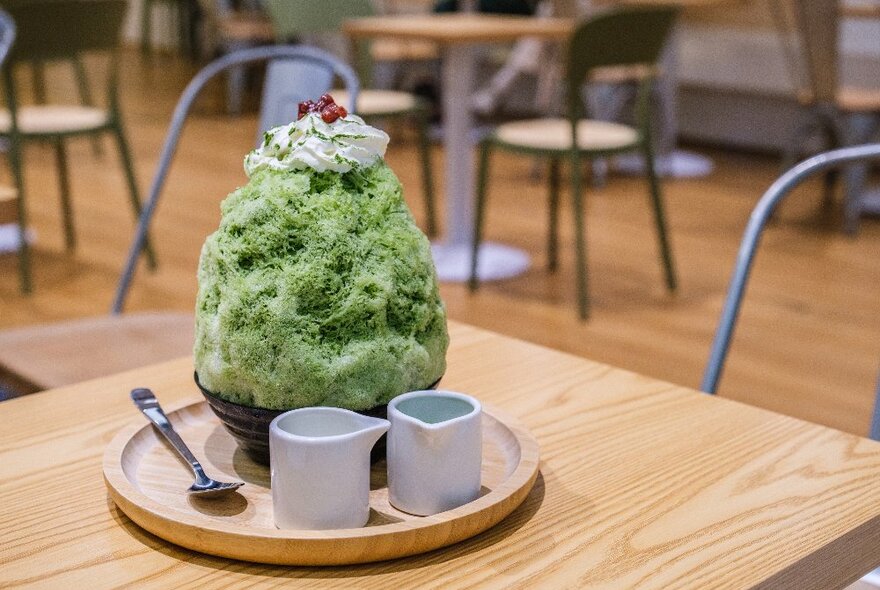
{"points": [[452, 257], [458, 74]]}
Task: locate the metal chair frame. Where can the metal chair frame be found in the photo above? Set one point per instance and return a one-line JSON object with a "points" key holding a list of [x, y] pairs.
{"points": [[763, 211], [7, 38], [7, 34], [181, 112]]}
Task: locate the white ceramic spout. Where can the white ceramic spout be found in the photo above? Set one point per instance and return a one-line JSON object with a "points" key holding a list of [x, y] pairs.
{"points": [[320, 462], [434, 451]]}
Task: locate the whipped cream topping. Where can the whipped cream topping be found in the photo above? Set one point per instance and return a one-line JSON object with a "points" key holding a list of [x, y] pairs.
{"points": [[310, 142]]}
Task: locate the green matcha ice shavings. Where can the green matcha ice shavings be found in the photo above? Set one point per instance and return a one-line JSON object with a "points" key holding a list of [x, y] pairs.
{"points": [[318, 289]]}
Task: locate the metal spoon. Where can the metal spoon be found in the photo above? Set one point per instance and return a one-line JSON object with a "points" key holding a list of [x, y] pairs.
{"points": [[203, 486]]}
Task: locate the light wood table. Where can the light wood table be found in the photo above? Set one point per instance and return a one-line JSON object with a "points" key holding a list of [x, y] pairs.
{"points": [[457, 35], [642, 484]]}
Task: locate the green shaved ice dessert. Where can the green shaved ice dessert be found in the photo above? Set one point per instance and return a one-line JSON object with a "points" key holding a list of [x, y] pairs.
{"points": [[317, 288]]}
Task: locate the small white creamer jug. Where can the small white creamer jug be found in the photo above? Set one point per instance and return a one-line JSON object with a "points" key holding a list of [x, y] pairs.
{"points": [[320, 464], [434, 451]]}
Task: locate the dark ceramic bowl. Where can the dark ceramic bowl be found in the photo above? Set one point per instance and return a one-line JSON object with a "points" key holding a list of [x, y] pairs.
{"points": [[249, 426]]}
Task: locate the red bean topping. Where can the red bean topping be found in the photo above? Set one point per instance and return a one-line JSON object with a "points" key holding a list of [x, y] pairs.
{"points": [[324, 101], [326, 107], [305, 108]]}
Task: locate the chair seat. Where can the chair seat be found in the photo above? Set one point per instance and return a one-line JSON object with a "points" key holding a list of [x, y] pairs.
{"points": [[374, 103], [59, 354], [851, 99], [856, 100], [52, 119], [555, 134]]}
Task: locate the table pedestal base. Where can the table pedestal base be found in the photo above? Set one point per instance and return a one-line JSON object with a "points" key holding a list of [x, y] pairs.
{"points": [[9, 237], [678, 164], [496, 262]]}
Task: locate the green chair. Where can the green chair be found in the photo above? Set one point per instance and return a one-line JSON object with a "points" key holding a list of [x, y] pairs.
{"points": [[298, 18], [623, 37], [82, 87], [49, 30]]}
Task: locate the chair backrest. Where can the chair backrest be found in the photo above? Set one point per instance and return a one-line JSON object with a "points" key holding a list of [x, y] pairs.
{"points": [[748, 248], [619, 37], [818, 22], [309, 59], [294, 18], [59, 29]]}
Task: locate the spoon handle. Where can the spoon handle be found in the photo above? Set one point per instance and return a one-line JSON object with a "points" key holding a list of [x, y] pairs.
{"points": [[148, 404]]}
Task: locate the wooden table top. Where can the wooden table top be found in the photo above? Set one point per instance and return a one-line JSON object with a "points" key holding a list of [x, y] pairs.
{"points": [[643, 484], [449, 28]]}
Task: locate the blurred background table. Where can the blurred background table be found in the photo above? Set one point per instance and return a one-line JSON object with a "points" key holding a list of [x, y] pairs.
{"points": [[643, 484], [457, 35]]}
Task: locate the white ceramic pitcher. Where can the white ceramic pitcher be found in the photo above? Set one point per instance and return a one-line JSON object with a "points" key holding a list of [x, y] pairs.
{"points": [[434, 451], [320, 463]]}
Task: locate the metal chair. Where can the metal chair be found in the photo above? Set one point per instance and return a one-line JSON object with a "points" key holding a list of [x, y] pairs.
{"points": [[8, 195], [595, 45], [761, 214], [76, 27], [42, 357], [297, 18]]}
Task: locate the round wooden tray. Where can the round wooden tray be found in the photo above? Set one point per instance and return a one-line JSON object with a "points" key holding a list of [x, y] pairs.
{"points": [[146, 480]]}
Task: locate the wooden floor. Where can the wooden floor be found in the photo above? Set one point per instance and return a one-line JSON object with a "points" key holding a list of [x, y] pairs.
{"points": [[809, 341]]}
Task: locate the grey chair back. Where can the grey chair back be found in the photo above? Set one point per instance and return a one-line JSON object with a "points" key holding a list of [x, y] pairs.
{"points": [[287, 84], [298, 82], [7, 34], [748, 248], [7, 38]]}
